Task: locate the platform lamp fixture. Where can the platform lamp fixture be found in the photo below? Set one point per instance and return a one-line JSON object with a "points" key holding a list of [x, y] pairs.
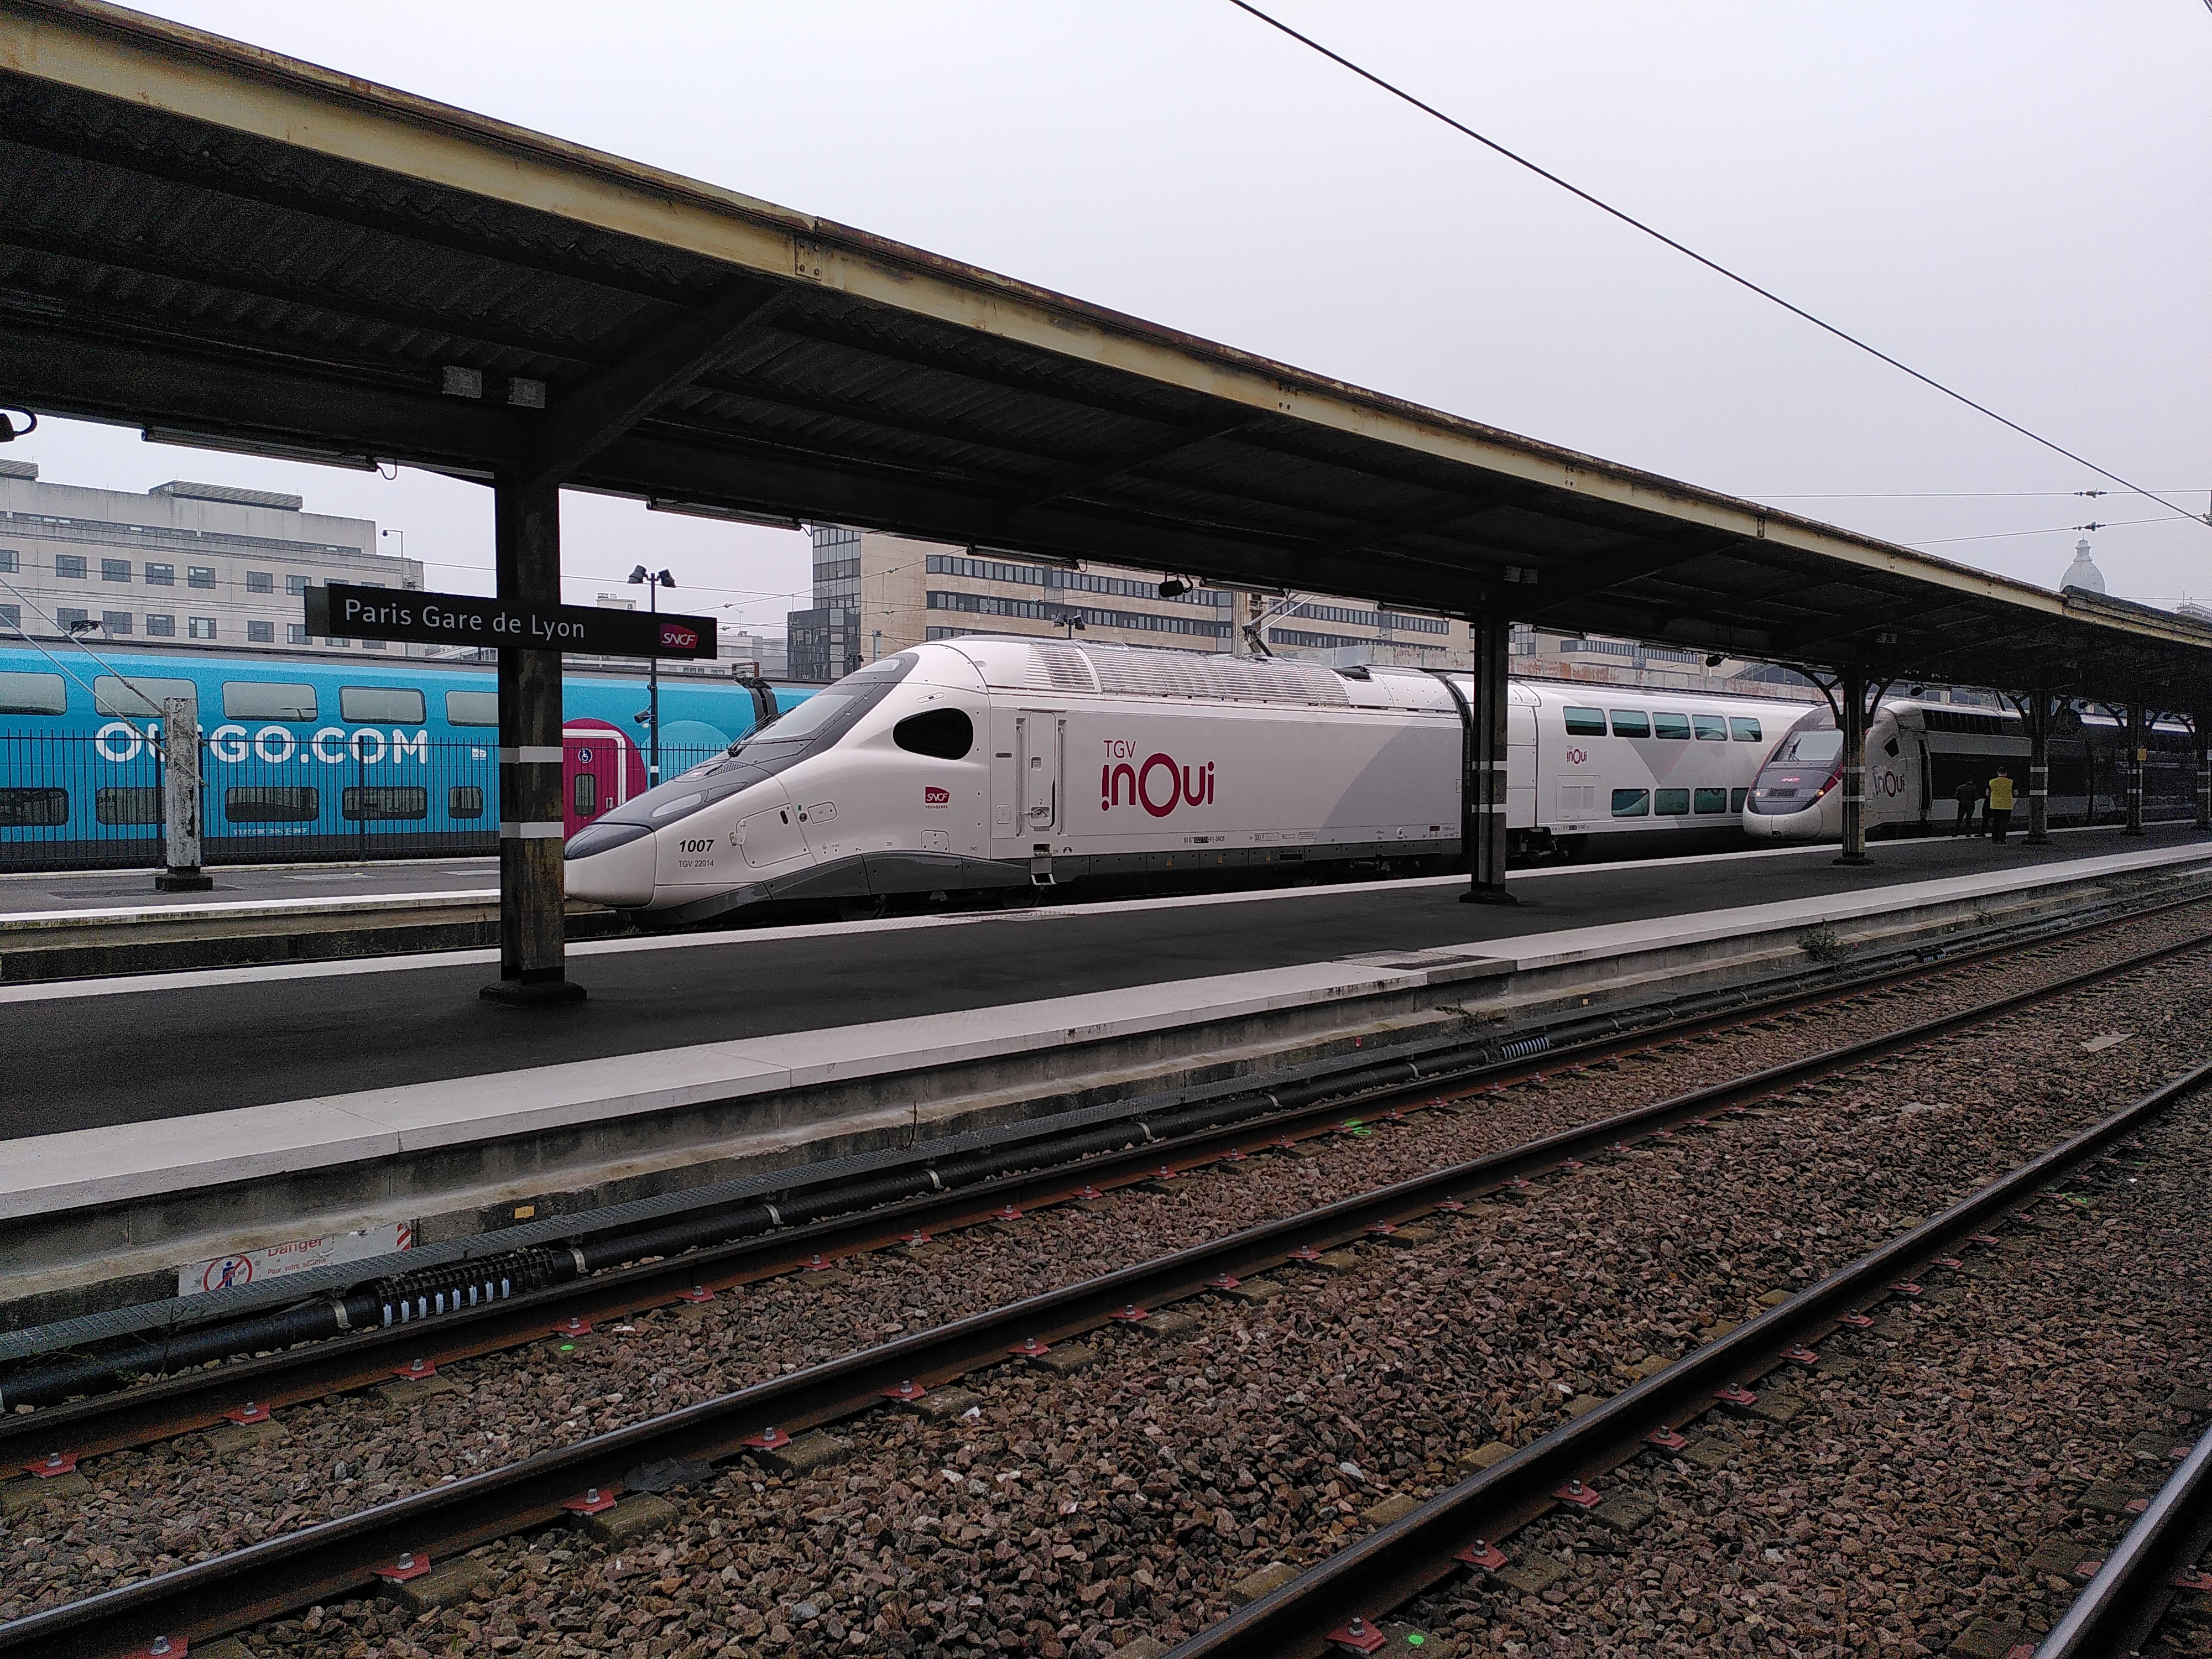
{"points": [[1071, 621], [652, 581]]}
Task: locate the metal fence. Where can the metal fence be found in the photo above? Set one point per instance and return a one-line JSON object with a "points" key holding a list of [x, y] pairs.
{"points": [[79, 802]]}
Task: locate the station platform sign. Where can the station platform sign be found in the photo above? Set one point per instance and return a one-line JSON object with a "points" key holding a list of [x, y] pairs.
{"points": [[342, 611]]}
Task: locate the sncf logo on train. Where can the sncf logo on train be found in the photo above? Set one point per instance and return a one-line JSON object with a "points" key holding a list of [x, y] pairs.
{"points": [[933, 796], [1159, 786]]}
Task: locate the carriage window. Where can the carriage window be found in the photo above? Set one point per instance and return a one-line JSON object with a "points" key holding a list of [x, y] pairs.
{"points": [[127, 805], [473, 708], [32, 809], [1736, 799], [947, 733], [262, 803], [1671, 726], [465, 800], [1744, 729], [1585, 722], [1712, 800], [1671, 803], [378, 803], [1630, 723], [33, 694], [391, 704], [140, 698], [261, 700], [1632, 802], [587, 794], [1711, 728]]}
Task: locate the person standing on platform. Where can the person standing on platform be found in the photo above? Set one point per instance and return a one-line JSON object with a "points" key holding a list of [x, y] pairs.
{"points": [[1967, 793], [2000, 805]]}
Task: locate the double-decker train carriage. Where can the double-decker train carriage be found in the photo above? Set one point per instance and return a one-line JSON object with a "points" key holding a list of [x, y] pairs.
{"points": [[984, 762], [315, 758], [1918, 754]]}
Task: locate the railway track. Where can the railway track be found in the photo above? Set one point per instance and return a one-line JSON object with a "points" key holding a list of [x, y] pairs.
{"points": [[503, 1298], [324, 1562]]}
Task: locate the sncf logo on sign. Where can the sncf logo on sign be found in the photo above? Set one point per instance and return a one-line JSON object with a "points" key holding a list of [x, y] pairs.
{"points": [[933, 796], [1159, 786], [675, 636]]}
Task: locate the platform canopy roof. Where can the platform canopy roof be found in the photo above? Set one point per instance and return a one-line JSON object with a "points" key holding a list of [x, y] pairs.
{"points": [[223, 245]]}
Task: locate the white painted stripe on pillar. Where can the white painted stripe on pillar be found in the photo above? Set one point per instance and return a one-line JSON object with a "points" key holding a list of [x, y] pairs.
{"points": [[533, 754], [532, 831]]}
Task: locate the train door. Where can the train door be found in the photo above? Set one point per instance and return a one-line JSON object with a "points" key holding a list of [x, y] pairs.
{"points": [[1037, 765], [1520, 759], [593, 773]]}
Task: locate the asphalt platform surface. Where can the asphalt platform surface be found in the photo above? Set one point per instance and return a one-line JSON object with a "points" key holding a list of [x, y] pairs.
{"points": [[100, 1053]]}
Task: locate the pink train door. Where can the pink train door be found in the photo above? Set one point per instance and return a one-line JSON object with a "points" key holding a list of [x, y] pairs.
{"points": [[596, 771]]}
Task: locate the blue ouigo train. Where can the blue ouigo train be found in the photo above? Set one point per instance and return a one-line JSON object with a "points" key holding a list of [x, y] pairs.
{"points": [[312, 758]]}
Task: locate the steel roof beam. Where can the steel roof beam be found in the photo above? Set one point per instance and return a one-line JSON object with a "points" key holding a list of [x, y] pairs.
{"points": [[1591, 577], [585, 420], [1077, 478]]}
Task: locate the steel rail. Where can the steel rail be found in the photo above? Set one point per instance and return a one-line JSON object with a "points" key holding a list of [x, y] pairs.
{"points": [[336, 1558], [2119, 1607], [1315, 1613], [203, 1397]]}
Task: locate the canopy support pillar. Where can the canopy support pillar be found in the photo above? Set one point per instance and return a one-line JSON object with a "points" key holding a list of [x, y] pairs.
{"points": [[2040, 714], [1485, 787], [2202, 731], [1853, 713], [532, 906], [2135, 765]]}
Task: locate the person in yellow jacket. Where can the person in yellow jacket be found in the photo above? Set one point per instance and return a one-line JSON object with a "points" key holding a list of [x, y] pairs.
{"points": [[2000, 805]]}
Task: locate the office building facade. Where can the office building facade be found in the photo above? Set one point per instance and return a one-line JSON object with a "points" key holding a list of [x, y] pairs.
{"points": [[185, 565]]}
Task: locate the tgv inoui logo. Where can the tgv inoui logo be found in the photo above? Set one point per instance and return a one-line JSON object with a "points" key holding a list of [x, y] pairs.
{"points": [[1159, 786]]}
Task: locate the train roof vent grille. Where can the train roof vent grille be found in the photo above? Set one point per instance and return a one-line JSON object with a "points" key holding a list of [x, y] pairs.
{"points": [[1153, 674], [1060, 668]]}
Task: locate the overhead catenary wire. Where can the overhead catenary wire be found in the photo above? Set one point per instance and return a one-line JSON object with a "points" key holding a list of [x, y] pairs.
{"points": [[1713, 266], [2054, 529]]}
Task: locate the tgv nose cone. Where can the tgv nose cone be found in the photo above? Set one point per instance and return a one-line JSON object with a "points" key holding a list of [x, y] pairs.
{"points": [[621, 876]]}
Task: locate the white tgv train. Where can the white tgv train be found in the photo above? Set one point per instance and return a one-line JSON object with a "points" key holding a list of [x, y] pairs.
{"points": [[965, 765], [1918, 753]]}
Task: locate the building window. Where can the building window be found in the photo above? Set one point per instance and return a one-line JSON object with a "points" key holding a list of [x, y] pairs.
{"points": [[295, 633], [11, 561], [260, 581], [70, 565], [261, 632], [66, 614], [200, 628], [115, 622], [11, 617], [199, 575], [161, 628], [161, 575], [296, 585], [115, 570]]}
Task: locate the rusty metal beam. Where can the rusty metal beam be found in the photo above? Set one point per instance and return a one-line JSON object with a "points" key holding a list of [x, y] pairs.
{"points": [[589, 418]]}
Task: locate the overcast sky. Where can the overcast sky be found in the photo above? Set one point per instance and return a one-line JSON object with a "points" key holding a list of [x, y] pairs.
{"points": [[2011, 197]]}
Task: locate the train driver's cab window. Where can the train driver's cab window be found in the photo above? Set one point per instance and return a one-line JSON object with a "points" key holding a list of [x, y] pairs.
{"points": [[473, 708], [266, 700], [1711, 801], [1671, 803], [1632, 802], [1744, 729], [139, 698], [1671, 726], [1710, 728], [1585, 722], [946, 733], [33, 694], [383, 705], [1630, 723]]}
